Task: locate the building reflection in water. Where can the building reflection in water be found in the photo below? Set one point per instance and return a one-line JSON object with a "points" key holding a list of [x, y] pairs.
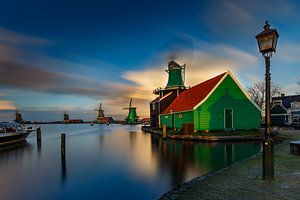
{"points": [[150, 156], [181, 158]]}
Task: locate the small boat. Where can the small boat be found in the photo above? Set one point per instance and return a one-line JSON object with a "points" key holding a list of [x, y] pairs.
{"points": [[12, 132]]}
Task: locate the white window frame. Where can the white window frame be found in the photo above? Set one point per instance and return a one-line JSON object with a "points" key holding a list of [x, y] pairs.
{"points": [[277, 102], [293, 105], [289, 119]]}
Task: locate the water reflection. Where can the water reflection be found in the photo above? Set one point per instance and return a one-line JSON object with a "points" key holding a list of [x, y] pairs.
{"points": [[108, 162], [14, 151], [39, 148], [63, 169], [181, 157]]}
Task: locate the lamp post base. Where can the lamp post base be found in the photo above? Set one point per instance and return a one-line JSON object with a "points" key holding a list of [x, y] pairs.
{"points": [[268, 159]]}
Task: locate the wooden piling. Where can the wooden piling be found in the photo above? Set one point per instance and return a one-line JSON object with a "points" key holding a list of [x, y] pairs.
{"points": [[38, 134], [63, 157], [63, 145], [164, 131]]}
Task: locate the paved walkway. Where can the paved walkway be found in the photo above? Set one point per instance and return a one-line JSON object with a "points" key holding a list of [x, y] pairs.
{"points": [[243, 180]]}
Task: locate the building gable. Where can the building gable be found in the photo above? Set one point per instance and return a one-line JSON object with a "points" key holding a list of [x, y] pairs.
{"points": [[228, 73], [197, 95], [278, 109], [210, 114], [191, 97], [287, 100]]}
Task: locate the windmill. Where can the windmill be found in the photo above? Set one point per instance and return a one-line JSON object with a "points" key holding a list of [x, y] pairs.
{"points": [[66, 117], [100, 112], [132, 116], [179, 49], [19, 118]]}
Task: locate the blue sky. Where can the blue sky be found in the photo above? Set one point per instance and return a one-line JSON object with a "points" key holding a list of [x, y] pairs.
{"points": [[58, 56]]}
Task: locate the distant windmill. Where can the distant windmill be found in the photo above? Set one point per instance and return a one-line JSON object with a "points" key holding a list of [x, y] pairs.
{"points": [[66, 117], [100, 112], [19, 118], [132, 116]]}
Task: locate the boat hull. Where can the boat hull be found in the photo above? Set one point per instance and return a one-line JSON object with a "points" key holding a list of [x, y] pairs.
{"points": [[13, 138]]}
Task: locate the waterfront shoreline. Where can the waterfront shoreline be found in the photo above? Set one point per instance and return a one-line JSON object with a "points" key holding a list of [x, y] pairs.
{"points": [[212, 138], [243, 180]]}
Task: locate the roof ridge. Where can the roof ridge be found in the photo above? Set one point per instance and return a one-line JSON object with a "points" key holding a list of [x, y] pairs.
{"points": [[194, 95], [209, 79]]}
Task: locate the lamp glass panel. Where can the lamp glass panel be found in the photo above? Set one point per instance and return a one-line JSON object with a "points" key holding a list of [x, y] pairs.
{"points": [[266, 43]]}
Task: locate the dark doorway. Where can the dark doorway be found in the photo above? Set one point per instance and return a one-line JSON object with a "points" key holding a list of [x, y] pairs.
{"points": [[228, 119]]}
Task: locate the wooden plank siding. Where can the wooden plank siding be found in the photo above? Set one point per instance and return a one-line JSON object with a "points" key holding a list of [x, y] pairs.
{"points": [[166, 119], [179, 119], [183, 117], [210, 115]]}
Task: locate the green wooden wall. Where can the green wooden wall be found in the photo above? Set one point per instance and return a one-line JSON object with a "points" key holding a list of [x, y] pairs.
{"points": [[210, 115], [186, 117], [166, 119]]}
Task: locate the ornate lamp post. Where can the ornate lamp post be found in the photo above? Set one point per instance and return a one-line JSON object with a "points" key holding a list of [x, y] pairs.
{"points": [[267, 42]]}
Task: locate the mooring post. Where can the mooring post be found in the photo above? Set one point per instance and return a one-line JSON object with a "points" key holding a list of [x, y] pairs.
{"points": [[38, 134], [164, 131], [63, 157], [63, 145]]}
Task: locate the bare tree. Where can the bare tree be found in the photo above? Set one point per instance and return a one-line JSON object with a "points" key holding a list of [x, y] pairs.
{"points": [[257, 93]]}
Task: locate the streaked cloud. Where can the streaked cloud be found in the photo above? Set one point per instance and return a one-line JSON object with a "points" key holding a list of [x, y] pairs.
{"points": [[25, 68], [238, 17], [6, 105], [12, 37], [19, 75], [291, 89], [208, 60], [289, 52]]}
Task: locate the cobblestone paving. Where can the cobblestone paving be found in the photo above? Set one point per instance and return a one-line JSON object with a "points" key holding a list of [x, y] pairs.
{"points": [[243, 181]]}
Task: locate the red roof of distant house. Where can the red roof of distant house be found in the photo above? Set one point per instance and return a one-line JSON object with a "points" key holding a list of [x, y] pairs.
{"points": [[145, 119], [188, 99]]}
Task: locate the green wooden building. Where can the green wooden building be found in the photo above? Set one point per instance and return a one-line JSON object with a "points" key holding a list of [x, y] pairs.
{"points": [[219, 103]]}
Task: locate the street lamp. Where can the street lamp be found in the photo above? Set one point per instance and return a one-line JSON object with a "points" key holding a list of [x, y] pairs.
{"points": [[267, 42]]}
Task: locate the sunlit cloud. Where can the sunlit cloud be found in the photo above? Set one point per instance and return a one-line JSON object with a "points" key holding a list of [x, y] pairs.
{"points": [[6, 105], [34, 71], [206, 62]]}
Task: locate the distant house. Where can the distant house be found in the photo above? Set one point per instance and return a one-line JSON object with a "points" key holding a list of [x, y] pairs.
{"points": [[285, 110], [219, 103]]}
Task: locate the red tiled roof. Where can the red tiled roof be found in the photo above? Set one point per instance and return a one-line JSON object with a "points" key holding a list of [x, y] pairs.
{"points": [[188, 99]]}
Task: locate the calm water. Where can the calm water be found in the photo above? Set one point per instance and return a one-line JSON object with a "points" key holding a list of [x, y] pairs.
{"points": [[108, 162]]}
